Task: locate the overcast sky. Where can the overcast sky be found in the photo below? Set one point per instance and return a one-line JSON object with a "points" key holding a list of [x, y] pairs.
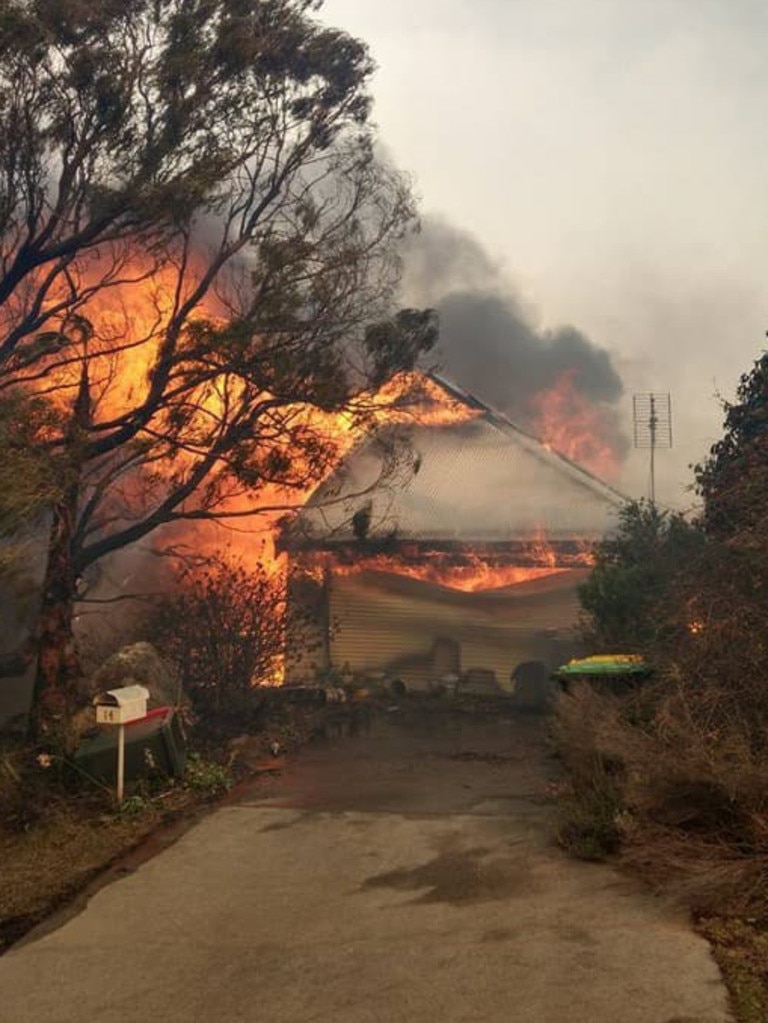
{"points": [[612, 156]]}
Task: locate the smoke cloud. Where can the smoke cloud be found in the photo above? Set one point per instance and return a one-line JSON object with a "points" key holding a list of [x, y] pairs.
{"points": [[490, 343]]}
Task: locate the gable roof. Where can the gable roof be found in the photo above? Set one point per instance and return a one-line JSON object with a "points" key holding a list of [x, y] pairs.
{"points": [[484, 480]]}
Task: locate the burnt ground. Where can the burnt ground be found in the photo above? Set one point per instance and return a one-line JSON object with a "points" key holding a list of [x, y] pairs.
{"points": [[401, 868]]}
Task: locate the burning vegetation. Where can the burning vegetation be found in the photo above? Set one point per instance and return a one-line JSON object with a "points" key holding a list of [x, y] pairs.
{"points": [[198, 314], [461, 566], [197, 249]]}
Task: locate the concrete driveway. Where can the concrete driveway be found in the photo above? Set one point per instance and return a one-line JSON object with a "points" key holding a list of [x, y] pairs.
{"points": [[406, 874]]}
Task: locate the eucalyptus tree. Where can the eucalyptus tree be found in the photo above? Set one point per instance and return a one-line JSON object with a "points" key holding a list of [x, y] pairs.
{"points": [[198, 247]]}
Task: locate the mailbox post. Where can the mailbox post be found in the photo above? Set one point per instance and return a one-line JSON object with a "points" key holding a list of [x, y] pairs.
{"points": [[120, 707]]}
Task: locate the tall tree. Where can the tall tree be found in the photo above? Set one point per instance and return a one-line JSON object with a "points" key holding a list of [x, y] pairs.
{"points": [[197, 246], [733, 480], [728, 595]]}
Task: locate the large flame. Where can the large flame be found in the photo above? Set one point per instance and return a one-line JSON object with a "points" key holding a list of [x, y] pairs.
{"points": [[460, 567], [117, 325], [472, 575], [407, 398], [569, 423], [120, 329], [127, 305]]}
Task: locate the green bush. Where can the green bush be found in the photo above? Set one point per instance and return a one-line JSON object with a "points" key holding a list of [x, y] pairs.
{"points": [[206, 776]]}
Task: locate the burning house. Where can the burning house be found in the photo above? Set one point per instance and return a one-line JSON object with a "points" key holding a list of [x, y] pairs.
{"points": [[442, 547]]}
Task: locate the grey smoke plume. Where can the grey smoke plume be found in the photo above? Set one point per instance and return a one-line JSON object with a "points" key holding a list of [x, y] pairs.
{"points": [[489, 343]]}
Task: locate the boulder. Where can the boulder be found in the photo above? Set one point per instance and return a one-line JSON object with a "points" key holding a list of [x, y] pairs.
{"points": [[139, 664]]}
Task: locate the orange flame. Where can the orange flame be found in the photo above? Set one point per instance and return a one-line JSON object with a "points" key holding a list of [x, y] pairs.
{"points": [[407, 398], [473, 576], [569, 423], [461, 568], [117, 326], [128, 320]]}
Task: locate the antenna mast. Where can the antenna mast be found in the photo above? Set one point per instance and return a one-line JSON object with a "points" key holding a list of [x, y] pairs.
{"points": [[652, 416]]}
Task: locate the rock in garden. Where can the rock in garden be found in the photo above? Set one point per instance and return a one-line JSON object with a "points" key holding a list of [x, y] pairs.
{"points": [[139, 664]]}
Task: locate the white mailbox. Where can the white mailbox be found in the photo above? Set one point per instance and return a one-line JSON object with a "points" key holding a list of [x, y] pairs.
{"points": [[120, 706]]}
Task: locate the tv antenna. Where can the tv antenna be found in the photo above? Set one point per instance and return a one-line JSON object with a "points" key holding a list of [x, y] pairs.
{"points": [[652, 417]]}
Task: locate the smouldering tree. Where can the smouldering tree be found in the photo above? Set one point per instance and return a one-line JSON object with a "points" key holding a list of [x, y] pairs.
{"points": [[198, 248]]}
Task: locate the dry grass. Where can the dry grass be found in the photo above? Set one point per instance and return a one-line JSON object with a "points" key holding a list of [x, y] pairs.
{"points": [[41, 868], [691, 806], [588, 737], [686, 804], [740, 948], [57, 833]]}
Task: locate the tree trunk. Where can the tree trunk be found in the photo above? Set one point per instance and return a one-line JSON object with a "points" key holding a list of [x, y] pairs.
{"points": [[58, 669]]}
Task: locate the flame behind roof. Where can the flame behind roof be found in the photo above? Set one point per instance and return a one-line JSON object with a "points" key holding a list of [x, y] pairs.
{"points": [[484, 480]]}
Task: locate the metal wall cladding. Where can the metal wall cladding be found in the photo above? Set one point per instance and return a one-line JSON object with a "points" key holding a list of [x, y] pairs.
{"points": [[389, 624], [482, 480]]}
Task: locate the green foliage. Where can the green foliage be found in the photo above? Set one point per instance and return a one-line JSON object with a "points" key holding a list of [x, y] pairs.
{"points": [[30, 478], [634, 578], [149, 103], [135, 805], [30, 481], [733, 480], [400, 341], [723, 661], [206, 776], [687, 751]]}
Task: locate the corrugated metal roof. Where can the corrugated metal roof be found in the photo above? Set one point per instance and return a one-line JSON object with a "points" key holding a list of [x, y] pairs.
{"points": [[484, 480]]}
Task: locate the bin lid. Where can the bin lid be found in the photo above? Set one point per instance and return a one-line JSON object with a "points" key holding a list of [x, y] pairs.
{"points": [[606, 664]]}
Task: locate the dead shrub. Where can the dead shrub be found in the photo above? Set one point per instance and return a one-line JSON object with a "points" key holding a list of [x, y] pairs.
{"points": [[689, 803], [696, 870], [589, 819], [223, 629], [591, 725], [585, 728]]}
